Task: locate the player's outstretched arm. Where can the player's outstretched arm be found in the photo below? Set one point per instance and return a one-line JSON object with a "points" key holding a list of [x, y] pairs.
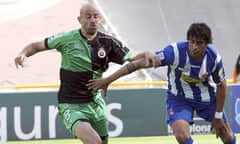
{"points": [[142, 60], [28, 51]]}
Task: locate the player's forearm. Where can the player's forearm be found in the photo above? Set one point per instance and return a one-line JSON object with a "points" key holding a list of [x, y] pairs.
{"points": [[234, 76], [139, 56], [32, 49], [221, 96], [119, 73], [127, 69], [28, 50], [144, 55]]}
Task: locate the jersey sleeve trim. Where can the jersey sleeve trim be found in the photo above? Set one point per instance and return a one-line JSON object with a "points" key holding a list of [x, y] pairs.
{"points": [[126, 57], [46, 43]]}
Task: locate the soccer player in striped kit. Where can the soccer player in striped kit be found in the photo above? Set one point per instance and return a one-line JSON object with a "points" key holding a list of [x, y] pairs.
{"points": [[196, 83]]}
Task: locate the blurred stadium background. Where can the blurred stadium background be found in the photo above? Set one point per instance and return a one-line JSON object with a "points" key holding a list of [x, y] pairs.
{"points": [[142, 25]]}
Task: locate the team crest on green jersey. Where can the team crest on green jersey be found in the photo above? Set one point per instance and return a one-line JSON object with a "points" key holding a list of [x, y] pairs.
{"points": [[101, 53]]}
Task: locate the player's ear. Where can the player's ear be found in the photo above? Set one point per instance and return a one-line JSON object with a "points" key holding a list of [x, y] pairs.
{"points": [[79, 19]]}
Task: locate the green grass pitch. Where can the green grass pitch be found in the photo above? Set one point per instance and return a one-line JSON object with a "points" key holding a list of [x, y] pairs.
{"points": [[200, 139]]}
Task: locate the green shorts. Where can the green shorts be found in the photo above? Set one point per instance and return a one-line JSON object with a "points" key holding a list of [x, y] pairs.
{"points": [[94, 112]]}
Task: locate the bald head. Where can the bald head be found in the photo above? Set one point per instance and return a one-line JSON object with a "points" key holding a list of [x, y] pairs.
{"points": [[90, 20], [88, 8]]}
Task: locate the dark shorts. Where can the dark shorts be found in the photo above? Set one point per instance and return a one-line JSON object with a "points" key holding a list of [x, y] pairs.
{"points": [[182, 108]]}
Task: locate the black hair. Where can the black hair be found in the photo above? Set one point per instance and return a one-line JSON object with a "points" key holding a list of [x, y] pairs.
{"points": [[237, 65], [200, 30]]}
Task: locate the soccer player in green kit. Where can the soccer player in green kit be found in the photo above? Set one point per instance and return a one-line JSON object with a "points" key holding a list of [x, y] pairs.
{"points": [[86, 53]]}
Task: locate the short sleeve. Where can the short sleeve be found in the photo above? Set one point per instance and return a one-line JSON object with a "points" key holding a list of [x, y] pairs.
{"points": [[218, 72], [119, 52], [54, 41], [166, 55]]}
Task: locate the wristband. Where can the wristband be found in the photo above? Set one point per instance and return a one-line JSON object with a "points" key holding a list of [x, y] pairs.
{"points": [[131, 67], [218, 115]]}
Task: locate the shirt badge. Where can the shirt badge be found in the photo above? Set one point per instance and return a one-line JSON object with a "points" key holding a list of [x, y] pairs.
{"points": [[220, 72], [171, 112], [101, 53], [205, 75]]}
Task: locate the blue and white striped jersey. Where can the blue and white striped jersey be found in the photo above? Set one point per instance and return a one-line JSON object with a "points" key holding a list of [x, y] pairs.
{"points": [[188, 78]]}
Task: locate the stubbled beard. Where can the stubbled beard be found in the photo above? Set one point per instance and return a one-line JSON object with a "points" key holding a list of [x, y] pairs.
{"points": [[91, 31]]}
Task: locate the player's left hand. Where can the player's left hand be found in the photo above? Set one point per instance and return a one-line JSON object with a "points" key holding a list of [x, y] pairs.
{"points": [[218, 125]]}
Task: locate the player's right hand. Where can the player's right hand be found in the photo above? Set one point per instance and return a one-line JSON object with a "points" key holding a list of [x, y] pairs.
{"points": [[19, 61], [100, 83], [151, 60], [218, 125]]}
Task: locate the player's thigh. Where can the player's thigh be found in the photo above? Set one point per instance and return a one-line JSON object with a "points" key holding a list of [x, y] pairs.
{"points": [[86, 133], [179, 109], [181, 127], [101, 127], [207, 112], [99, 120], [71, 116]]}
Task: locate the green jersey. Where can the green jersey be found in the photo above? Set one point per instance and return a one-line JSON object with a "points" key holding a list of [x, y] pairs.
{"points": [[83, 60]]}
